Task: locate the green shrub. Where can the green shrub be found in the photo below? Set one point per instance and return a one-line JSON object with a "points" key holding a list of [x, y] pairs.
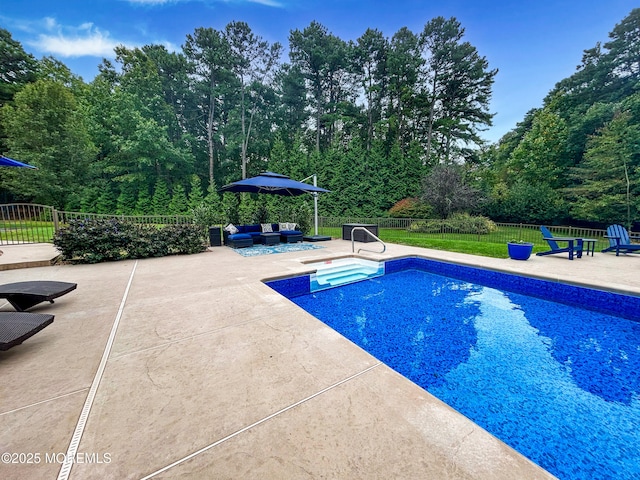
{"points": [[100, 240], [456, 223], [181, 239], [148, 242]]}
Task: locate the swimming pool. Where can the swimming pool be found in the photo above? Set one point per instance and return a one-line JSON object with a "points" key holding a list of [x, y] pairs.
{"points": [[558, 383]]}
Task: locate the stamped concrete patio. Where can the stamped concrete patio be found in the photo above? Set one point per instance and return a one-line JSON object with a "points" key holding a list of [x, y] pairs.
{"points": [[190, 367]]}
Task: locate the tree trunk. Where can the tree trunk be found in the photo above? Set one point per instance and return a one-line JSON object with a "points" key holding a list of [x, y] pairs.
{"points": [[244, 134], [432, 105], [212, 106], [626, 176]]}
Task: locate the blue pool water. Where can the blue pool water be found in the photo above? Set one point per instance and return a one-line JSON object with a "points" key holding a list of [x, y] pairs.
{"points": [[558, 383]]}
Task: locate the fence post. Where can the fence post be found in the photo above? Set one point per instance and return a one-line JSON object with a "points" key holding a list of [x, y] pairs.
{"points": [[55, 221]]}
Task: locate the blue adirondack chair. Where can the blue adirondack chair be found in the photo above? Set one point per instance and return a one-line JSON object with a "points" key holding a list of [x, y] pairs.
{"points": [[553, 245], [620, 241]]}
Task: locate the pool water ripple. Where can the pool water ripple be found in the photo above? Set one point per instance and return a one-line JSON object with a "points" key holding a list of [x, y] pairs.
{"points": [[558, 383]]}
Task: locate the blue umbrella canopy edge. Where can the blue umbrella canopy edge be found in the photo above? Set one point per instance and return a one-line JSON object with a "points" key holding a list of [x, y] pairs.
{"points": [[9, 162]]}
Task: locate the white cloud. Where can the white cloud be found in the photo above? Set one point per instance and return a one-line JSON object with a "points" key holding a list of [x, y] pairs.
{"points": [[268, 3], [151, 2], [81, 41], [171, 47]]}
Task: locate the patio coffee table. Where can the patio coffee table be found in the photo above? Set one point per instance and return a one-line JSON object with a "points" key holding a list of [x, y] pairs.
{"points": [[270, 238]]}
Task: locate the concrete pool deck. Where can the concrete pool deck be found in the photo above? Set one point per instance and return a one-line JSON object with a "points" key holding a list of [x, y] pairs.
{"points": [[190, 367]]}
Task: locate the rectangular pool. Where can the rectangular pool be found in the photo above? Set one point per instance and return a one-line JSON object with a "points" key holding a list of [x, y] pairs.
{"points": [[558, 382]]}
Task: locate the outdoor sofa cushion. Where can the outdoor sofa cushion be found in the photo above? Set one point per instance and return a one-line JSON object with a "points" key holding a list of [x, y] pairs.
{"points": [[291, 236], [231, 229], [254, 231], [239, 240]]}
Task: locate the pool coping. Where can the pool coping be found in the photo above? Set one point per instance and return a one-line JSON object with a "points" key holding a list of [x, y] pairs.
{"points": [[609, 301], [585, 284]]}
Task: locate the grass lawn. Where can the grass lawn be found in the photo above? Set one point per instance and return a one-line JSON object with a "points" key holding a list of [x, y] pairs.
{"points": [[26, 231], [491, 245]]}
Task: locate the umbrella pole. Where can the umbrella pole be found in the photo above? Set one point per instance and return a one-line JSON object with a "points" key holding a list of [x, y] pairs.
{"points": [[315, 205], [315, 202]]}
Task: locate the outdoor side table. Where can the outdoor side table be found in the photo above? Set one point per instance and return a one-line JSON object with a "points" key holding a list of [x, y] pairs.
{"points": [[570, 241], [270, 238], [589, 245], [215, 236]]}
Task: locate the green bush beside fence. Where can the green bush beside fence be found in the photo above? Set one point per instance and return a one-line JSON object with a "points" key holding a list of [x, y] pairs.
{"points": [[100, 240]]}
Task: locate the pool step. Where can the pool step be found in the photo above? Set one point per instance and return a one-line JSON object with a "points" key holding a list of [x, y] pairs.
{"points": [[333, 275], [343, 274]]}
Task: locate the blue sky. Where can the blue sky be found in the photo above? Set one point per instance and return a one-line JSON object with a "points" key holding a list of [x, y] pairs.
{"points": [[533, 44]]}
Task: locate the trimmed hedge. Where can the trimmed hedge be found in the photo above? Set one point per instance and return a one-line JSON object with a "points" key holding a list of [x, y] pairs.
{"points": [[101, 240]]}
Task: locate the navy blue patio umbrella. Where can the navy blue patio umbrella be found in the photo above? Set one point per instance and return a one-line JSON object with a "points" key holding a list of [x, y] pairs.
{"points": [[9, 162], [277, 184], [272, 183]]}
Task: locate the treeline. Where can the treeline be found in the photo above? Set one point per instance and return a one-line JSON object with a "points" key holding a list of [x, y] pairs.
{"points": [[577, 158], [375, 119], [369, 117]]}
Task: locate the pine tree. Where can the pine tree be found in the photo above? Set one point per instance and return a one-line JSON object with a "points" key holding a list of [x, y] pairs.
{"points": [[144, 205], [161, 198], [195, 193], [178, 204], [106, 201], [126, 203]]}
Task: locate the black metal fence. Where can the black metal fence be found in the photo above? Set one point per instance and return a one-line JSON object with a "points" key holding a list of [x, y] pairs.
{"points": [[30, 223], [399, 229]]}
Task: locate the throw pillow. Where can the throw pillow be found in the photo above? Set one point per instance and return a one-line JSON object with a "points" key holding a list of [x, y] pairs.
{"points": [[282, 227], [266, 228], [291, 226], [231, 228]]}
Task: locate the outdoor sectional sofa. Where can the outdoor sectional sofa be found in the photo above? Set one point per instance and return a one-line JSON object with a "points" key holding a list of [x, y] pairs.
{"points": [[248, 235]]}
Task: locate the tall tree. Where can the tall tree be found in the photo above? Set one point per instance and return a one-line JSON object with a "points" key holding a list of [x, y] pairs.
{"points": [[403, 72], [369, 63], [210, 57], [172, 70], [134, 143], [624, 54], [323, 59], [254, 62], [291, 114], [457, 87], [17, 67], [541, 156], [46, 127], [609, 176]]}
